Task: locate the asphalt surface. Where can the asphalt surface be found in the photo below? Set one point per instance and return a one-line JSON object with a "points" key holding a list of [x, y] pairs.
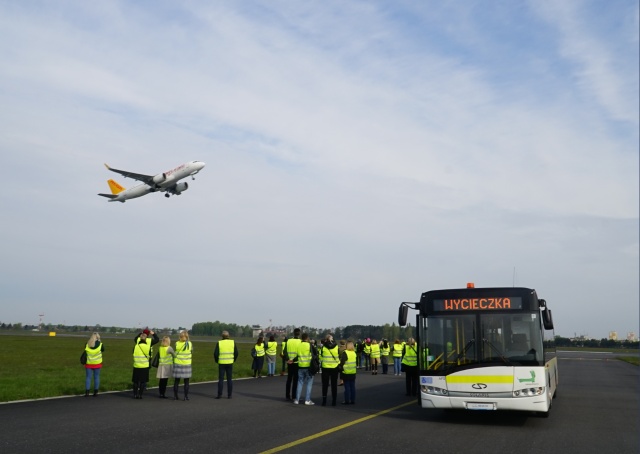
{"points": [[597, 410]]}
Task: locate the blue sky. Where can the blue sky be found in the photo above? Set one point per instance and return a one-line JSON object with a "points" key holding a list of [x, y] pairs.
{"points": [[358, 154]]}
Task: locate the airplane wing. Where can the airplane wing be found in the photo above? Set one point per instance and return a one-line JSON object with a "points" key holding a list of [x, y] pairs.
{"points": [[148, 179]]}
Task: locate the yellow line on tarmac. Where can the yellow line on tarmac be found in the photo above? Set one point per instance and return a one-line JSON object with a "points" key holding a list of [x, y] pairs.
{"points": [[335, 429]]}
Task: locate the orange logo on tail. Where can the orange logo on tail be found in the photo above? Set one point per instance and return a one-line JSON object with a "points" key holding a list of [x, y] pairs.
{"points": [[115, 187]]}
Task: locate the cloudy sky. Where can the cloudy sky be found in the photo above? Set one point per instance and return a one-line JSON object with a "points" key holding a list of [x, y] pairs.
{"points": [[358, 154]]}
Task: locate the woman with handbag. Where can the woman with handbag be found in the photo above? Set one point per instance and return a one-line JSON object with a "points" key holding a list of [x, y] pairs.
{"points": [[330, 357], [165, 364], [93, 364]]}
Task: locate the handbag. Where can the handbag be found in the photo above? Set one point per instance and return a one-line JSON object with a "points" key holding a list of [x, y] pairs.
{"points": [[155, 361], [83, 358]]}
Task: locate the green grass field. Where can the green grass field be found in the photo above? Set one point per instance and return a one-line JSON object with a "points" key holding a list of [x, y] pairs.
{"points": [[41, 366]]}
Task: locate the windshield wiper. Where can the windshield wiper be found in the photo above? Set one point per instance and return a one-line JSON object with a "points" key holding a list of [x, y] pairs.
{"points": [[500, 354]]}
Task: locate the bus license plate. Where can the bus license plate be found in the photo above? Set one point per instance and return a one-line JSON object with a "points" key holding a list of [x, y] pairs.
{"points": [[480, 406]]}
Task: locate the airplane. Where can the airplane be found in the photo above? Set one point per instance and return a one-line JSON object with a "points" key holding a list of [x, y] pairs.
{"points": [[168, 182]]}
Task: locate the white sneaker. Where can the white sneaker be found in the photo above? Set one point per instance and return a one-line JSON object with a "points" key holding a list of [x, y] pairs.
{"points": [[309, 402], [295, 402]]}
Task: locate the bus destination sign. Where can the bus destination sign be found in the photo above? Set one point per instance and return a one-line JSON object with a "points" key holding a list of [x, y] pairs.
{"points": [[478, 304]]}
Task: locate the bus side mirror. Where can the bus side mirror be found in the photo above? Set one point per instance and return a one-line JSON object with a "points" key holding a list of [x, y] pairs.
{"points": [[547, 319], [402, 314]]}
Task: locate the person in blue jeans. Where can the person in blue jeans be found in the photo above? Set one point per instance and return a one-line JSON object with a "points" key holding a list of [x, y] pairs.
{"points": [[94, 349], [305, 354]]}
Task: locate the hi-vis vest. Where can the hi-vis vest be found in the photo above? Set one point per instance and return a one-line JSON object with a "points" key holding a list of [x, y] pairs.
{"points": [[292, 348], [141, 353], [303, 353], [410, 357], [225, 351], [183, 353], [385, 351], [272, 347], [350, 364], [367, 349], [330, 358], [397, 350], [259, 350], [94, 355], [375, 350], [165, 359]]}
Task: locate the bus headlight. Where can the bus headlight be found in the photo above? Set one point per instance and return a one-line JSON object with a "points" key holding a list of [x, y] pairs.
{"points": [[434, 390], [529, 392]]}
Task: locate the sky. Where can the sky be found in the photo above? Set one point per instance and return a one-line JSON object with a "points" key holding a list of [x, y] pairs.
{"points": [[358, 154]]}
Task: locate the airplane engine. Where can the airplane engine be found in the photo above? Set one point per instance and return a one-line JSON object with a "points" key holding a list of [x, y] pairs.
{"points": [[161, 177], [181, 187]]}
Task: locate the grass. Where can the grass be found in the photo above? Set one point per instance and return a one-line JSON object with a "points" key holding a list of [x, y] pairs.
{"points": [[42, 366], [630, 359]]}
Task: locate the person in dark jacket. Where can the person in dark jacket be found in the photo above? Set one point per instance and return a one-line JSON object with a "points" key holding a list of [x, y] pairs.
{"points": [[330, 357], [141, 358]]}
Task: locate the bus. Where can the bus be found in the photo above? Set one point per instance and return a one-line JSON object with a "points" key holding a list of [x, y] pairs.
{"points": [[484, 349]]}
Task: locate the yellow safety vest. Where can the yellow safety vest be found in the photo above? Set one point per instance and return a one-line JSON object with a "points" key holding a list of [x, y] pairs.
{"points": [[384, 351], [184, 353], [410, 357], [375, 350], [292, 348], [330, 358], [349, 367], [272, 347], [397, 350], [94, 355], [225, 351], [303, 353], [141, 353], [165, 358], [259, 350], [367, 349]]}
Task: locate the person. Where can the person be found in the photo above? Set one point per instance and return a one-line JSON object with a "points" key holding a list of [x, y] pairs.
{"points": [[366, 354], [330, 357], [225, 354], [348, 364], [284, 359], [165, 365], [182, 364], [304, 356], [410, 361], [259, 350], [271, 351], [397, 356], [375, 356], [94, 349], [360, 352], [141, 355], [384, 356], [342, 346], [290, 353]]}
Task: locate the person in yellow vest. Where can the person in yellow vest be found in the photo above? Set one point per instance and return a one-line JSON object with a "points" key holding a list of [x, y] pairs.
{"points": [[141, 356], [348, 366], [385, 349], [410, 361], [94, 349], [330, 358], [182, 364], [258, 352], [366, 354], [342, 346], [396, 351], [374, 353], [225, 354], [165, 365], [290, 353], [304, 355], [271, 347]]}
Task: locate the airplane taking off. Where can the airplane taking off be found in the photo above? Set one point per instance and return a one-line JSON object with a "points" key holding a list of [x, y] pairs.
{"points": [[168, 182]]}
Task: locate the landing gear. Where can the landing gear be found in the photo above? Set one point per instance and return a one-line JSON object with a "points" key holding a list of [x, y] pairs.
{"points": [[167, 195]]}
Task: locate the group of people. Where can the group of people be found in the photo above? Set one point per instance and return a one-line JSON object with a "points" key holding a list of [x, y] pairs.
{"points": [[302, 356], [172, 362]]}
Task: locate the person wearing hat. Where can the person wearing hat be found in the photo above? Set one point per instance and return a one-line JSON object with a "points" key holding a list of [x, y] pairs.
{"points": [[141, 358]]}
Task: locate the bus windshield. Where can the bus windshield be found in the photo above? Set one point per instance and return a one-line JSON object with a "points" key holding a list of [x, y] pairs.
{"points": [[458, 340]]}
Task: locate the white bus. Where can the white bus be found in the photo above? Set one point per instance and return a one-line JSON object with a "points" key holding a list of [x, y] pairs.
{"points": [[485, 349]]}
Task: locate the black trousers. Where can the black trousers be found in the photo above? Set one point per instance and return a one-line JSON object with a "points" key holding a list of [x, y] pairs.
{"points": [[222, 370], [292, 381], [411, 380], [330, 375]]}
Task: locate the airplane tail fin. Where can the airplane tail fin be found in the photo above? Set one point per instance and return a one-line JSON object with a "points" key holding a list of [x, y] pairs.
{"points": [[116, 188]]}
